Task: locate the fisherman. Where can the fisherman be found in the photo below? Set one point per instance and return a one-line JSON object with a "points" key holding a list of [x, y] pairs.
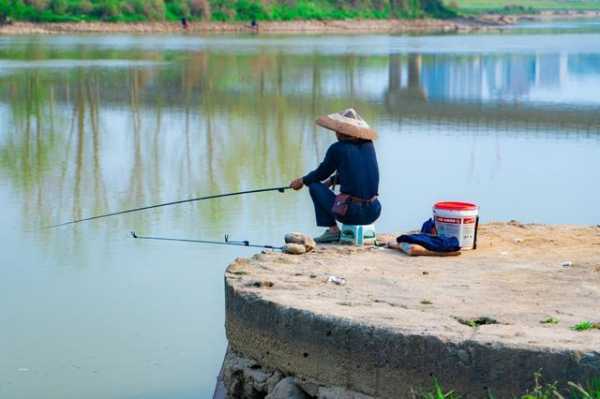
{"points": [[184, 23], [352, 158]]}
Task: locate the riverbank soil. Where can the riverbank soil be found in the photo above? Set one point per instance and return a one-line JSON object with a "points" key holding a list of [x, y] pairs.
{"points": [[483, 22], [483, 321], [342, 26]]}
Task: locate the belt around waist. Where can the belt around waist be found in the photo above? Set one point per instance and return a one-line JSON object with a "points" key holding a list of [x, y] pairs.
{"points": [[357, 200]]}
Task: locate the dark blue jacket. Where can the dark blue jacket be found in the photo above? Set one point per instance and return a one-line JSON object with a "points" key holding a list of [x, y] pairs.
{"points": [[356, 166]]}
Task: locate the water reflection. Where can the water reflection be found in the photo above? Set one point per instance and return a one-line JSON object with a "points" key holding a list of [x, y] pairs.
{"points": [[213, 122], [86, 140], [146, 120]]}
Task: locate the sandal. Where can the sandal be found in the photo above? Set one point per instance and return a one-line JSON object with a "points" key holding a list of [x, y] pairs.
{"points": [[328, 237]]}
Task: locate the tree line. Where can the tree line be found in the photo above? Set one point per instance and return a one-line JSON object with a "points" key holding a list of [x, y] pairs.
{"points": [[216, 10]]}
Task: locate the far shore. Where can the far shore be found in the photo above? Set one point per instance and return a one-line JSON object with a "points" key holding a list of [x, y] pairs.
{"points": [[484, 22], [334, 26]]}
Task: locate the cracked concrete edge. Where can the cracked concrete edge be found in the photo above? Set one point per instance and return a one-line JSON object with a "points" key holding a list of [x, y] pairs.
{"points": [[384, 363]]}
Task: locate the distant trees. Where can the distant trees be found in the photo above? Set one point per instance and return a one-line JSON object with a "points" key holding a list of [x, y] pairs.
{"points": [[200, 8], [220, 10]]}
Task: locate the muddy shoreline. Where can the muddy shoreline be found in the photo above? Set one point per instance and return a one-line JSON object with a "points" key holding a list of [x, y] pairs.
{"points": [[355, 26], [486, 22]]}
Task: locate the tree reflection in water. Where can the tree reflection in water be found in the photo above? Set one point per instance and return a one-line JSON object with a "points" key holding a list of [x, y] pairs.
{"points": [[83, 141]]}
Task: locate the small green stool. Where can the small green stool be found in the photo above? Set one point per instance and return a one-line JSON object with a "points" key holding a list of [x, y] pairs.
{"points": [[358, 234]]}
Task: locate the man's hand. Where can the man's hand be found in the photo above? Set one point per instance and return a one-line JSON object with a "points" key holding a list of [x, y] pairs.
{"points": [[297, 184]]}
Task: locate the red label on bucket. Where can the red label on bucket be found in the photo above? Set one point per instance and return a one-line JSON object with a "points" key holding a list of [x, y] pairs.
{"points": [[468, 220], [447, 220]]}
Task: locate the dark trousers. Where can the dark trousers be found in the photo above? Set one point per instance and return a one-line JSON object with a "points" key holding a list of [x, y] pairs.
{"points": [[323, 199]]}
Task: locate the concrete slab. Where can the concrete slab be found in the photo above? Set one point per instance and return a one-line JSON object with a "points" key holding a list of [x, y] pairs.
{"points": [[399, 320]]}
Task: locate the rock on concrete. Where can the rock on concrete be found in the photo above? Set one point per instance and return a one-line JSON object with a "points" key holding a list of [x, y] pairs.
{"points": [[476, 322]]}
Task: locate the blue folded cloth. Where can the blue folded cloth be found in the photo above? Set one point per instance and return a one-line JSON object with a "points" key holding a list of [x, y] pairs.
{"points": [[429, 227], [431, 242]]}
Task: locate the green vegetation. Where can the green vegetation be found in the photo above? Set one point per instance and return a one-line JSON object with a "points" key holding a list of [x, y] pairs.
{"points": [[542, 391], [586, 325], [539, 391], [519, 6], [277, 10], [591, 391], [438, 393], [216, 10]]}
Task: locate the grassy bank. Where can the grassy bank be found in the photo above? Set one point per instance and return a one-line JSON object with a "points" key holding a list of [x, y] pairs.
{"points": [[520, 6], [216, 10]]}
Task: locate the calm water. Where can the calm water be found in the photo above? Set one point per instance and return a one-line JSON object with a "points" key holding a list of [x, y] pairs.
{"points": [[90, 124]]}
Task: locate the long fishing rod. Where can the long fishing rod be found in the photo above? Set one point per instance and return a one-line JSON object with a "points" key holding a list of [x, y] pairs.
{"points": [[225, 242], [261, 190]]}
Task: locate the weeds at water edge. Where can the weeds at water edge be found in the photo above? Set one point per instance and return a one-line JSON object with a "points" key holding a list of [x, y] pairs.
{"points": [[438, 393], [539, 391]]}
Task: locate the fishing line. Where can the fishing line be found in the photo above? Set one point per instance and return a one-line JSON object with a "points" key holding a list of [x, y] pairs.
{"points": [[225, 242]]}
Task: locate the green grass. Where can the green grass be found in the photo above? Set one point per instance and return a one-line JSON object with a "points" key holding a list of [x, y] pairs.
{"points": [[520, 6], [590, 391], [438, 393], [586, 325], [539, 390]]}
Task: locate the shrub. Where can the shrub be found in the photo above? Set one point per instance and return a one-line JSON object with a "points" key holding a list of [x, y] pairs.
{"points": [[38, 5], [59, 6], [302, 10], [247, 10], [178, 9], [5, 9], [131, 8], [153, 9], [437, 9], [83, 7], [107, 9], [380, 5], [200, 8], [223, 10]]}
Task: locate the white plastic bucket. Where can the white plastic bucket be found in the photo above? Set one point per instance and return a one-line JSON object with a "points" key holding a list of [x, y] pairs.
{"points": [[457, 219]]}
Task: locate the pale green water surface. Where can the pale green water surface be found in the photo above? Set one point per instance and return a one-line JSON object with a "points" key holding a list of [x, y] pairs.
{"points": [[91, 124]]}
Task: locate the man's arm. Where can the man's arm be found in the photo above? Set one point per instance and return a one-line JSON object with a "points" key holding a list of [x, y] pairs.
{"points": [[325, 170]]}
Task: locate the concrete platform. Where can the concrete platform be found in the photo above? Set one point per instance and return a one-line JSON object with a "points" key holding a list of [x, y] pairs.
{"points": [[398, 321]]}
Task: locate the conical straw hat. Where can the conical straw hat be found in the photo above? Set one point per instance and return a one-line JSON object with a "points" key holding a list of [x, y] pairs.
{"points": [[347, 122]]}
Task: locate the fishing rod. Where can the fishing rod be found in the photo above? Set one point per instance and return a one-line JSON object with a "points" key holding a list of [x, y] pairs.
{"points": [[225, 242], [261, 190]]}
